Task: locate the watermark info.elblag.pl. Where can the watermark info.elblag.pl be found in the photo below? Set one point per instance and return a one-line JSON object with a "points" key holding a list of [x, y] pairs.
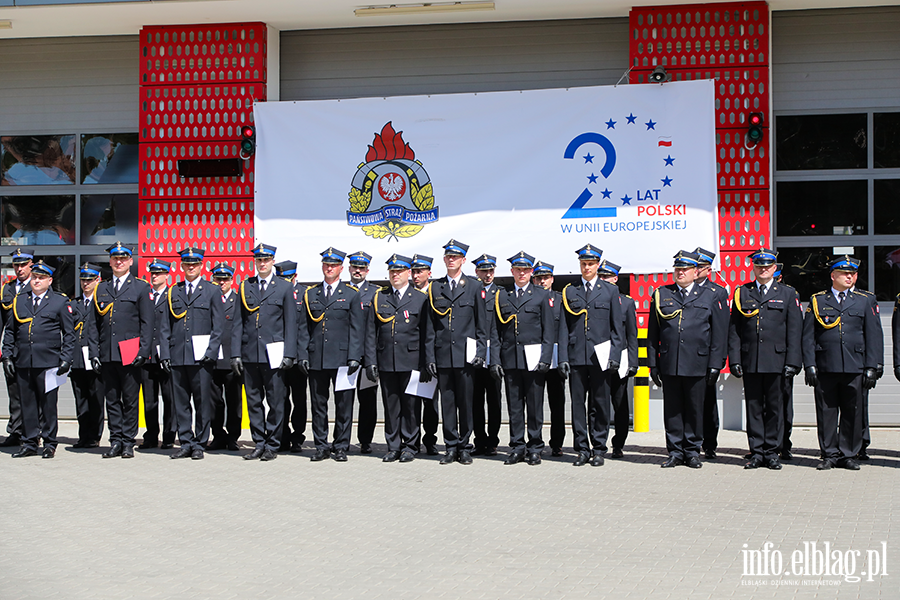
{"points": [[813, 563]]}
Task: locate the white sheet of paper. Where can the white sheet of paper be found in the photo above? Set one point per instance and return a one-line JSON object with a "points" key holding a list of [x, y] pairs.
{"points": [[275, 352], [201, 345], [417, 388], [344, 381], [364, 381], [471, 349], [602, 351], [85, 352], [532, 356], [157, 351], [52, 380], [554, 361], [623, 364], [487, 353]]}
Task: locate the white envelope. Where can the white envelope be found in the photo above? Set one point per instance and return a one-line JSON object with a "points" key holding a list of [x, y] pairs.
{"points": [[471, 349], [532, 356], [623, 364], [602, 351], [364, 381], [201, 345], [487, 353], [275, 352], [417, 388], [344, 381], [85, 352], [554, 361], [52, 380]]}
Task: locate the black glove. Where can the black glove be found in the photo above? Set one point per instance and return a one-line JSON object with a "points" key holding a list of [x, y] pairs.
{"points": [[879, 371], [166, 365], [63, 368], [543, 367], [432, 370], [564, 369], [790, 371], [712, 376], [95, 362], [812, 376], [9, 368], [207, 361], [496, 372], [138, 361], [372, 373], [303, 365], [286, 363], [237, 366], [613, 365], [352, 366], [632, 371], [654, 375], [737, 371], [869, 378], [478, 362]]}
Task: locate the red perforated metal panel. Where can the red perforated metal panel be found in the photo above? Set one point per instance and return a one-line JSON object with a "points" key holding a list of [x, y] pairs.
{"points": [[243, 266], [221, 228], [159, 172]]}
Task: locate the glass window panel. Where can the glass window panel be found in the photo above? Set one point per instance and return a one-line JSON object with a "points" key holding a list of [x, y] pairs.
{"points": [[822, 207], [63, 277], [887, 272], [109, 218], [38, 220], [109, 158], [37, 159], [807, 268], [820, 142], [886, 140], [887, 206]]}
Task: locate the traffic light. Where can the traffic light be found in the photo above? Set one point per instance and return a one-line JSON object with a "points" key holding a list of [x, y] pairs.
{"points": [[754, 129], [248, 141]]}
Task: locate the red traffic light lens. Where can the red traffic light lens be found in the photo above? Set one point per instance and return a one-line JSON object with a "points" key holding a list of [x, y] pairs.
{"points": [[247, 131], [755, 119]]}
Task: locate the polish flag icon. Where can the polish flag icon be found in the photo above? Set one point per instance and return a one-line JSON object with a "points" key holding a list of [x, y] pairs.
{"points": [[665, 141]]}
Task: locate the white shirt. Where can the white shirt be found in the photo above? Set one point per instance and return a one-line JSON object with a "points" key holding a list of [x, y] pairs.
{"points": [[593, 282], [268, 279], [401, 290], [21, 284], [524, 289], [687, 290], [837, 293], [455, 280], [191, 286], [40, 298], [118, 282], [227, 295], [764, 287]]}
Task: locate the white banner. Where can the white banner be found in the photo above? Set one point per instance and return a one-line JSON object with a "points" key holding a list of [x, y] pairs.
{"points": [[630, 169]]}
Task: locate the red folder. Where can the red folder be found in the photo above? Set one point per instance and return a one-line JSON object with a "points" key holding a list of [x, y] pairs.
{"points": [[129, 350]]}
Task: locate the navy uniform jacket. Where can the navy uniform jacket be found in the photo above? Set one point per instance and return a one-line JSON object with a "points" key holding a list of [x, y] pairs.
{"points": [[588, 321], [229, 313], [130, 315], [770, 339], [629, 326], [302, 335], [895, 330], [7, 294], [329, 329], [399, 334], [521, 322], [721, 295], [556, 308], [42, 339], [844, 337], [85, 334], [456, 316], [264, 319], [686, 339], [202, 314], [160, 310]]}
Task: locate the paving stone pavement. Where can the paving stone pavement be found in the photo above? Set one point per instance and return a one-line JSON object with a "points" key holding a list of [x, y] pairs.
{"points": [[81, 527]]}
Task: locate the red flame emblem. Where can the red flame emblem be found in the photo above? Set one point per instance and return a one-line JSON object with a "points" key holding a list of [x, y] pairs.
{"points": [[389, 145]]}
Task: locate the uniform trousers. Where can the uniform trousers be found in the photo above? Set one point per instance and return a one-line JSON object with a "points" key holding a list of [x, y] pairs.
{"points": [[838, 415], [486, 424], [556, 400], [228, 403], [866, 435], [14, 426], [787, 391], [39, 416], [402, 412], [368, 414], [156, 382], [88, 392], [193, 382], [525, 394], [122, 385], [294, 408], [683, 415], [764, 399], [711, 418], [430, 420], [319, 384], [618, 393], [456, 406], [589, 386], [262, 381]]}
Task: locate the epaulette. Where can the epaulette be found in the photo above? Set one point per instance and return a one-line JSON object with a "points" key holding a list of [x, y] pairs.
{"points": [[822, 293], [386, 289], [864, 292], [352, 287], [309, 287], [627, 296], [420, 291]]}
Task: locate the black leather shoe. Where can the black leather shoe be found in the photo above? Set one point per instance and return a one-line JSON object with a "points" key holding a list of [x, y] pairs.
{"points": [[114, 450], [755, 462], [365, 448], [25, 452], [694, 462], [431, 450], [773, 464], [465, 457], [232, 445], [597, 460], [672, 461], [197, 454], [391, 456], [183, 452], [407, 456], [534, 458], [49, 452], [11, 441], [128, 452], [257, 453], [824, 465], [710, 455], [513, 458], [339, 456], [617, 453], [583, 457], [296, 448], [849, 464], [556, 452], [320, 455], [490, 451], [216, 444], [449, 457], [268, 455], [148, 444], [94, 444], [786, 455], [80, 444], [748, 456], [478, 451], [167, 445], [863, 455]]}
